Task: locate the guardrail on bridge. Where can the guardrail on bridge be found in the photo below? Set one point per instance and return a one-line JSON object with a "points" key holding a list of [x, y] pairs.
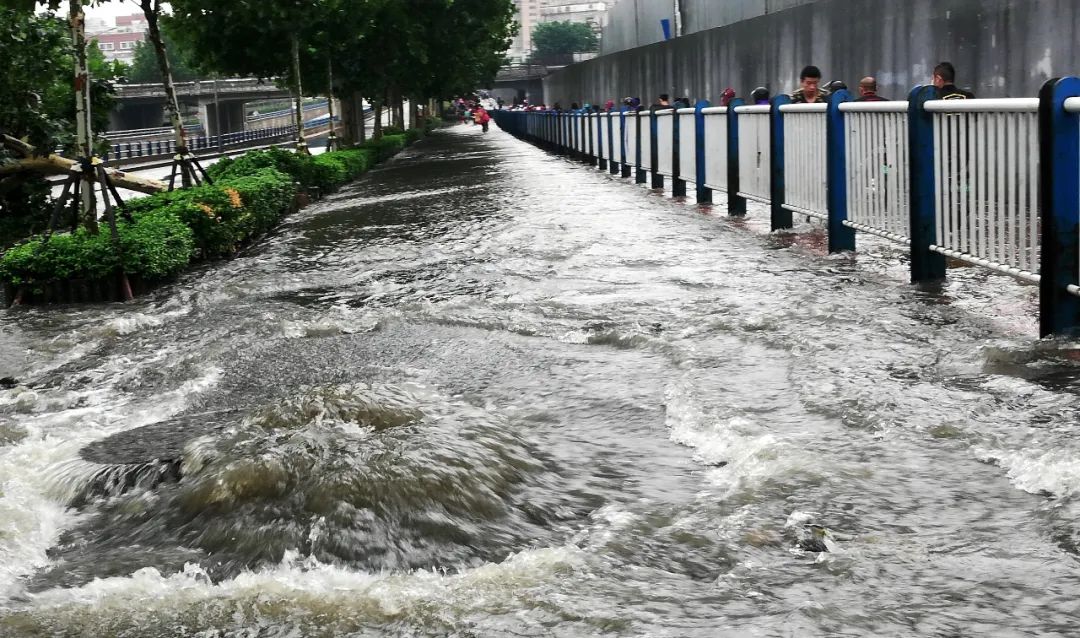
{"points": [[993, 183]]}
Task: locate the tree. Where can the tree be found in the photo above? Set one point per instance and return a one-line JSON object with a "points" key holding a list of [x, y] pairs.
{"points": [[425, 49], [562, 38], [38, 111], [146, 70], [265, 38]]}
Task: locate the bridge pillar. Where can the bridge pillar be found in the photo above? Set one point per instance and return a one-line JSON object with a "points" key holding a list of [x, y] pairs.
{"points": [[227, 117]]}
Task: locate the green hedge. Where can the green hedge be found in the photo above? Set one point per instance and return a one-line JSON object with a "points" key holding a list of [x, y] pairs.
{"points": [[230, 211], [325, 172], [157, 245], [386, 146], [249, 195]]}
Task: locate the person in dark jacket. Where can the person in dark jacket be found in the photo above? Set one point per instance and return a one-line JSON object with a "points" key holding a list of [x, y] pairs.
{"points": [[868, 90], [945, 82], [759, 95]]}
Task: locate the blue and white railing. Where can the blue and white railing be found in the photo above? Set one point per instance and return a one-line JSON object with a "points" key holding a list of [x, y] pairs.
{"points": [[994, 183], [877, 165]]}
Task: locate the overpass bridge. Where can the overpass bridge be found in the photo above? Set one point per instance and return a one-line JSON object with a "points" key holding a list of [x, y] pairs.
{"points": [[220, 103]]}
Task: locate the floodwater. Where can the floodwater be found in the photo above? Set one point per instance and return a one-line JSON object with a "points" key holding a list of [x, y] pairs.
{"points": [[484, 391]]}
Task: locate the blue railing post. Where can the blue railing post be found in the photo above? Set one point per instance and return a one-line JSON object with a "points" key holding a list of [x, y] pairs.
{"points": [[704, 193], [639, 173], [573, 134], [841, 237], [926, 265], [573, 124], [736, 202], [588, 119], [624, 160], [601, 162], [678, 185], [1059, 206], [657, 180], [613, 166], [781, 217], [560, 133]]}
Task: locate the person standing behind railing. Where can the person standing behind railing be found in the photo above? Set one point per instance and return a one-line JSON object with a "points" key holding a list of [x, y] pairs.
{"points": [[662, 104], [810, 91], [760, 95], [868, 90], [945, 81]]}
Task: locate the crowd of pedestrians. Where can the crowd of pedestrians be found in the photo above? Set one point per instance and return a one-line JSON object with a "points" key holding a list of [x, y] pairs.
{"points": [[810, 91]]}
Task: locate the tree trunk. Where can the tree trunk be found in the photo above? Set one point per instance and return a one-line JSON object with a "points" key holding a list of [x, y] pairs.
{"points": [[301, 143], [348, 122], [331, 140], [359, 99], [84, 131], [362, 119], [399, 110], [55, 165], [377, 132], [150, 9]]}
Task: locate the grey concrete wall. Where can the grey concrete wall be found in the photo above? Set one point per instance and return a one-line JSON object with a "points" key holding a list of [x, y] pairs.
{"points": [[633, 23], [1001, 48]]}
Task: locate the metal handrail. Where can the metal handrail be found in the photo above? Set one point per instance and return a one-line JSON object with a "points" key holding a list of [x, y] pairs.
{"points": [[895, 106], [998, 105]]}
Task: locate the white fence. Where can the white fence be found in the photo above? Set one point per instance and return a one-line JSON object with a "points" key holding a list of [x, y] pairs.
{"points": [[603, 119], [805, 159], [630, 135], [646, 139], [878, 180], [687, 145], [665, 142], [617, 138], [987, 182], [716, 147], [754, 153]]}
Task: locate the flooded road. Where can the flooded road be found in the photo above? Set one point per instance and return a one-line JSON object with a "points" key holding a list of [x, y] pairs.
{"points": [[487, 392]]}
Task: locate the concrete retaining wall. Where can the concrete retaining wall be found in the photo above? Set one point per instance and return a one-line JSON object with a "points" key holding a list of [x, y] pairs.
{"points": [[1001, 48]]}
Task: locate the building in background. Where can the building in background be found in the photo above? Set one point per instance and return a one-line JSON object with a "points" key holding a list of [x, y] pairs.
{"points": [[532, 12], [527, 17], [117, 40], [593, 14]]}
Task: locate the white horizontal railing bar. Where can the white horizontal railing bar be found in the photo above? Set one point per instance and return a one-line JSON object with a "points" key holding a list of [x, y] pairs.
{"points": [[686, 111], [1074, 289], [754, 198], [714, 109], [874, 107], [804, 108], [996, 105], [665, 113], [1072, 104], [870, 230], [986, 263], [805, 211], [754, 108]]}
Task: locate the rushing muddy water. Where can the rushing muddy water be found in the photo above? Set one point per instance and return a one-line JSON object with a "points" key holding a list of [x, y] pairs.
{"points": [[487, 392]]}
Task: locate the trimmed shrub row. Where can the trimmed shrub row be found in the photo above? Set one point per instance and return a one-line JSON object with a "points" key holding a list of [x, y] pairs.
{"points": [[250, 194]]}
